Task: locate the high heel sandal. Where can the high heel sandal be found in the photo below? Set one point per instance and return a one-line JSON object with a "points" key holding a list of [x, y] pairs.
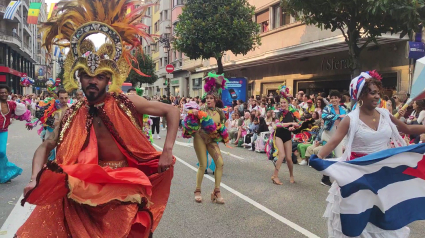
{"points": [[274, 181], [198, 198], [215, 198]]}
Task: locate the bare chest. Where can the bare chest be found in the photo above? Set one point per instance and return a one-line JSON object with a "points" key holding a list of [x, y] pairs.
{"points": [[107, 146]]}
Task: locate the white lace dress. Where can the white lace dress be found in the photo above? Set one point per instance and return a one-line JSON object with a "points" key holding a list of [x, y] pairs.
{"points": [[363, 140]]}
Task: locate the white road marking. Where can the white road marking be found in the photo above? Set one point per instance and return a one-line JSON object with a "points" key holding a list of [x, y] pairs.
{"points": [[20, 214], [190, 145], [252, 202], [16, 219]]}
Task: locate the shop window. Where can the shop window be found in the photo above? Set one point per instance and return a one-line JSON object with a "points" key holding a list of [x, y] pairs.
{"points": [[280, 17], [2, 59]]}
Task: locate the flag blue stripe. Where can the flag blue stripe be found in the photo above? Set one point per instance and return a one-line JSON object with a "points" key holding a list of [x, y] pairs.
{"points": [[376, 181], [394, 218], [381, 155], [321, 165], [10, 11]]}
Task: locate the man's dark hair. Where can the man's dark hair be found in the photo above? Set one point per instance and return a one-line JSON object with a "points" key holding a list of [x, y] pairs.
{"points": [[4, 86], [163, 96], [61, 91], [334, 93], [131, 89]]}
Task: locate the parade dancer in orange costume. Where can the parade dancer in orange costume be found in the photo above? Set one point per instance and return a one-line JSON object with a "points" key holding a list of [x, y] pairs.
{"points": [[107, 180]]}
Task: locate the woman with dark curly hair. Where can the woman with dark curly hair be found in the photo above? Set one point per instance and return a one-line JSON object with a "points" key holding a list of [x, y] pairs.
{"points": [[369, 129]]}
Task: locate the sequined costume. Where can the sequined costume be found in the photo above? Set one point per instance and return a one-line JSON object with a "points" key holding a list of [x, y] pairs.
{"points": [[74, 185], [47, 111], [207, 128], [18, 111], [79, 194]]}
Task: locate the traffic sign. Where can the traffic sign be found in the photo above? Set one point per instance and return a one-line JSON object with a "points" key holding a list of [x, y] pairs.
{"points": [[169, 76], [169, 68]]}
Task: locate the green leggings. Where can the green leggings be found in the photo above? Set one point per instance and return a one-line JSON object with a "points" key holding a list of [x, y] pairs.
{"points": [[302, 148]]}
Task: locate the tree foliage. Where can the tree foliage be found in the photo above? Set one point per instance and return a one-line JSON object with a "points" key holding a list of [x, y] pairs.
{"points": [[360, 21], [147, 66], [209, 28]]}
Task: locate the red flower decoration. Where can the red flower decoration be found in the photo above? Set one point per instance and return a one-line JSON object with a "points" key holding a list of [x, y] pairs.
{"points": [[375, 75]]}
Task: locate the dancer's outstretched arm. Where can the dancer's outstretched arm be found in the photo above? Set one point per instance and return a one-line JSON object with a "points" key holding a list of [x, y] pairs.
{"points": [[339, 135], [408, 129]]}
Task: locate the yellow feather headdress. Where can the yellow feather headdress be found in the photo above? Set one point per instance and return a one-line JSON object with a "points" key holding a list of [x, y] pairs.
{"points": [[73, 21]]}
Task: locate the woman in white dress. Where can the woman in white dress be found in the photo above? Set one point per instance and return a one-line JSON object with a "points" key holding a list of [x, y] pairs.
{"points": [[369, 129]]}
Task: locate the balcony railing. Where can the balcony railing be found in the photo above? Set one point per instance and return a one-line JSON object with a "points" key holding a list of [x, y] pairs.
{"points": [[27, 46], [9, 36]]}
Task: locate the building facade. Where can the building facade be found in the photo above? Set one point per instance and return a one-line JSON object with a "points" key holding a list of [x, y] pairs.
{"points": [[306, 57], [20, 49]]}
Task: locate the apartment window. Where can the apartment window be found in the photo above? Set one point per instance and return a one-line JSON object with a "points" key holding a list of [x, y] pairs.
{"points": [[156, 8], [161, 16], [263, 20], [148, 12], [165, 15], [148, 49], [174, 27], [156, 26], [280, 18], [177, 2]]}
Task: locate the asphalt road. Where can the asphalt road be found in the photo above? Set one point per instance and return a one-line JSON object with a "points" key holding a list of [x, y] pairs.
{"points": [[254, 206]]}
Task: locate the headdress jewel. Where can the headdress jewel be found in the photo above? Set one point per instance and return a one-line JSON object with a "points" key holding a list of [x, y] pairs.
{"points": [[75, 20]]}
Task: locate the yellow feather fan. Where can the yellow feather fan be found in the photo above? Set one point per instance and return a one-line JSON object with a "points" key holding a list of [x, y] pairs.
{"points": [[75, 20]]}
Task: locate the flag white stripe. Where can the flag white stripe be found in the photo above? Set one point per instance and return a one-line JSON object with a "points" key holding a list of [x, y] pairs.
{"points": [[387, 197], [11, 10], [348, 173]]}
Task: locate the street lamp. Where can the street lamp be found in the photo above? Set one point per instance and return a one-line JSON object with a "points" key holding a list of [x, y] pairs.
{"points": [[165, 40]]}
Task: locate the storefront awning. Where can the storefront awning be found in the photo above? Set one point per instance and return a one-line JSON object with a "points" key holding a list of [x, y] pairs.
{"points": [[4, 69]]}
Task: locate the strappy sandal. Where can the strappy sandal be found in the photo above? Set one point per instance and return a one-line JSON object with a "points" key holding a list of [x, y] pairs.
{"points": [[198, 198], [274, 180], [215, 198]]}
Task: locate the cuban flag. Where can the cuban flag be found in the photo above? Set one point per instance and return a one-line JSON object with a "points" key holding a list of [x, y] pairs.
{"points": [[11, 10], [386, 188]]}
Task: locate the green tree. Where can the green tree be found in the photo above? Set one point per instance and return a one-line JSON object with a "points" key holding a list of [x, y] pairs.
{"points": [[146, 66], [360, 21], [208, 28]]}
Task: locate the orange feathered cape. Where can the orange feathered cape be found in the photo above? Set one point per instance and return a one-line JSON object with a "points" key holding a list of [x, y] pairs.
{"points": [[75, 197]]}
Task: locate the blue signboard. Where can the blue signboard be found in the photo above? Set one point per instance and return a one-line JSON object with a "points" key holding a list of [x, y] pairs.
{"points": [[236, 90], [416, 50]]}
